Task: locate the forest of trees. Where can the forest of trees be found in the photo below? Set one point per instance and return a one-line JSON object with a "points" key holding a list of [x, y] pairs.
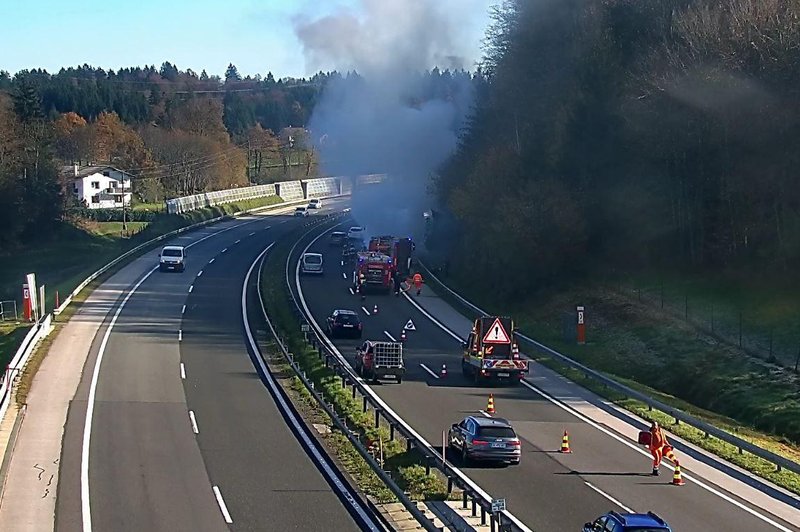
{"points": [[176, 132], [631, 134]]}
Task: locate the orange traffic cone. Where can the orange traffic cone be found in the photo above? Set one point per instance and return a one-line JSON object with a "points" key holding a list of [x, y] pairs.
{"points": [[375, 309], [444, 371], [565, 443], [490, 406], [677, 479]]}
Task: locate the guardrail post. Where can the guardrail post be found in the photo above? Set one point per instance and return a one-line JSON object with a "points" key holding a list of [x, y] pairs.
{"points": [[427, 466], [483, 516], [449, 485], [408, 446], [491, 517], [344, 381], [377, 418], [474, 508], [354, 391], [777, 468], [463, 500], [319, 351], [326, 361], [364, 404], [391, 432]]}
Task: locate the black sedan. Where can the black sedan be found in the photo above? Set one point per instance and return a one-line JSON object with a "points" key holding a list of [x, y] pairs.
{"points": [[344, 323]]}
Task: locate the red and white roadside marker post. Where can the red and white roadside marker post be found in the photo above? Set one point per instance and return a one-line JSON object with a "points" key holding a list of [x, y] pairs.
{"points": [[27, 308], [581, 325]]}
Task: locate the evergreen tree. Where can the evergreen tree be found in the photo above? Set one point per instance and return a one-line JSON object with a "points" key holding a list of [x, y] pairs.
{"points": [[232, 74]]}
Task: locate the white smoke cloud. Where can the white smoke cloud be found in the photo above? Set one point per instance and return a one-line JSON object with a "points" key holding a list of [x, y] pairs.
{"points": [[376, 124]]}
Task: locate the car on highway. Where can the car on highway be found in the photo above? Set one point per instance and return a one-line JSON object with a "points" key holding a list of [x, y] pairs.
{"points": [[172, 258], [627, 522], [356, 233], [301, 212], [343, 322], [485, 438], [337, 238], [315, 203], [311, 263]]}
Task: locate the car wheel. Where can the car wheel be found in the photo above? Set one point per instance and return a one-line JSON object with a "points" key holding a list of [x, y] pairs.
{"points": [[399, 379], [464, 454]]}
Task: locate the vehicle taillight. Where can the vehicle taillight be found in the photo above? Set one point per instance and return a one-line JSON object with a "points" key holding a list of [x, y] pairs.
{"points": [[359, 326], [515, 443], [480, 442]]}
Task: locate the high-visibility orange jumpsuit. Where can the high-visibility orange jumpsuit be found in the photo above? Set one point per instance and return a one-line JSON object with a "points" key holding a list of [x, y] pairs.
{"points": [[659, 447], [418, 282]]}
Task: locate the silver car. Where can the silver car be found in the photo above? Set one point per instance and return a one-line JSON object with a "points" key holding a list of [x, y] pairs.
{"points": [[485, 438]]}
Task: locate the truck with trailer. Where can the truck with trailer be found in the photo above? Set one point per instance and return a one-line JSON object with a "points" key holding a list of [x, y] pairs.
{"points": [[380, 360], [491, 352], [372, 271], [400, 250]]}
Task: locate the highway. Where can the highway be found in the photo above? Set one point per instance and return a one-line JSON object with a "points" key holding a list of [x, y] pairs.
{"points": [[548, 490], [184, 434]]}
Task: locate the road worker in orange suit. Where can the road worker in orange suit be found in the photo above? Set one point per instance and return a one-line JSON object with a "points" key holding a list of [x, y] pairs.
{"points": [[659, 446], [418, 282]]}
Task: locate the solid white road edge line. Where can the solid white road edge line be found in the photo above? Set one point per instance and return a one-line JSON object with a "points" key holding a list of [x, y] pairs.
{"points": [[223, 508], [86, 508], [299, 427], [238, 241], [620, 439], [191, 288], [194, 422], [480, 491], [224, 250], [609, 497], [389, 336], [200, 273], [365, 311], [183, 371], [183, 309], [212, 260], [430, 372]]}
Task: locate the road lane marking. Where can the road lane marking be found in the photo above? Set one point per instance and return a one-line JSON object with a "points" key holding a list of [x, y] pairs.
{"points": [[212, 261], [351, 291], [222, 506], [609, 497], [180, 335], [224, 250], [390, 336], [365, 311], [194, 422], [183, 371], [251, 234], [342, 264], [183, 309], [344, 275], [620, 439], [191, 288], [485, 414], [238, 241], [430, 371], [200, 273]]}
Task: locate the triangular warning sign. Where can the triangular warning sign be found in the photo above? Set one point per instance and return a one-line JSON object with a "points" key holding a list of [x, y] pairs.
{"points": [[496, 334], [409, 326]]}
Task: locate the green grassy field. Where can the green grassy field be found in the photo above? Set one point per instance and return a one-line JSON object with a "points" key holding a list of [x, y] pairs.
{"points": [[74, 253]]}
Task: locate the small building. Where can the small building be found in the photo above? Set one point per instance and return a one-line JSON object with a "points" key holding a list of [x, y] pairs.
{"points": [[100, 187]]}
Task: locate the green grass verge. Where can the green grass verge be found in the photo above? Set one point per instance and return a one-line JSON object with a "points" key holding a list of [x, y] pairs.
{"points": [[637, 346], [116, 228], [75, 253], [406, 467], [11, 335]]}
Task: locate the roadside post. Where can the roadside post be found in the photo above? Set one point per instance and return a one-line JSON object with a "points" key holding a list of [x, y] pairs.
{"points": [[581, 326], [498, 506], [26, 302]]}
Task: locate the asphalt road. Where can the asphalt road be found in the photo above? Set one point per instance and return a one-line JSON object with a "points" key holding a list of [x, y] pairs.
{"points": [[148, 469], [548, 490]]}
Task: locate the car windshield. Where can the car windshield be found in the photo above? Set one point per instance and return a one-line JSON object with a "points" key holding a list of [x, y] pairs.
{"points": [[313, 259], [497, 432], [645, 529], [347, 318], [300, 209], [171, 253]]}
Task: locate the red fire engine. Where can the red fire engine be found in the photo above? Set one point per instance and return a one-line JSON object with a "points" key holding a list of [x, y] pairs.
{"points": [[372, 271], [399, 249]]}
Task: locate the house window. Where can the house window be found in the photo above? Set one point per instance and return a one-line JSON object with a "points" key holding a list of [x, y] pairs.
{"points": [[96, 185], [96, 198], [112, 184], [75, 188]]}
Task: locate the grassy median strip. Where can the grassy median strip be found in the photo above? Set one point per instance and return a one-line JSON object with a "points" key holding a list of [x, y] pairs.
{"points": [[406, 467], [776, 444]]}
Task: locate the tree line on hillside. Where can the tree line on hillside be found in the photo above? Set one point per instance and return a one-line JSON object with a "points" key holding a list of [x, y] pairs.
{"points": [[631, 133]]}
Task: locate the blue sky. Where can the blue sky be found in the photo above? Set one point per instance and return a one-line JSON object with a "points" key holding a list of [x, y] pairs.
{"points": [[257, 36]]}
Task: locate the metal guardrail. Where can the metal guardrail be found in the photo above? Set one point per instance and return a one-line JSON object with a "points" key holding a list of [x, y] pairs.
{"points": [[680, 416], [333, 415], [39, 331], [433, 458]]}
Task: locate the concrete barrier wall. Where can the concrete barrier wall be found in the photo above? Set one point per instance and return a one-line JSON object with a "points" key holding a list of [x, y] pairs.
{"points": [[290, 190], [218, 197], [317, 188]]}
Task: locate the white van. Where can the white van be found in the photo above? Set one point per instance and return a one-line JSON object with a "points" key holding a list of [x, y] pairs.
{"points": [[172, 258], [311, 263]]}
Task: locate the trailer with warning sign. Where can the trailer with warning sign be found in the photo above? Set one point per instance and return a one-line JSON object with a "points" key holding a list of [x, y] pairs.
{"points": [[491, 352]]}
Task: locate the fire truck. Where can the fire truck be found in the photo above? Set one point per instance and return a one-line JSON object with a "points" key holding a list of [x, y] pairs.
{"points": [[399, 249], [372, 271], [491, 352]]}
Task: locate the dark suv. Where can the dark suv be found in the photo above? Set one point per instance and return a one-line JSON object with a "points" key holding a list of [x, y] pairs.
{"points": [[625, 522], [485, 438], [344, 323]]}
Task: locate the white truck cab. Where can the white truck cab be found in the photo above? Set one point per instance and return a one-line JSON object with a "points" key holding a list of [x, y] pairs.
{"points": [[172, 258]]}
